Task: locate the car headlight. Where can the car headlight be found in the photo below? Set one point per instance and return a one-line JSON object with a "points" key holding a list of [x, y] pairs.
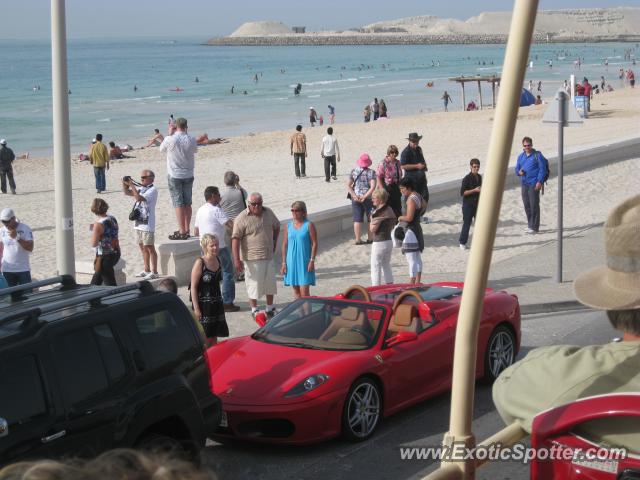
{"points": [[308, 384]]}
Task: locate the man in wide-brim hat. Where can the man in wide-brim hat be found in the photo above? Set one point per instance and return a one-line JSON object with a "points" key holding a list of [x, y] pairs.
{"points": [[552, 376], [415, 166]]}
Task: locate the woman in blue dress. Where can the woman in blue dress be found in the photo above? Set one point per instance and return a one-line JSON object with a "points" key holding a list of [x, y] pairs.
{"points": [[299, 248]]}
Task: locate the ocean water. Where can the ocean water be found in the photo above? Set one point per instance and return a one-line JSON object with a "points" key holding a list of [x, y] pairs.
{"points": [[102, 75]]}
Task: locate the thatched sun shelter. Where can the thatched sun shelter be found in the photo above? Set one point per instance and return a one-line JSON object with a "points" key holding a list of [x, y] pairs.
{"points": [[490, 79]]}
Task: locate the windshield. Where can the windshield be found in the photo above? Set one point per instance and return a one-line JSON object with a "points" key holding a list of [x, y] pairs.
{"points": [[324, 324]]}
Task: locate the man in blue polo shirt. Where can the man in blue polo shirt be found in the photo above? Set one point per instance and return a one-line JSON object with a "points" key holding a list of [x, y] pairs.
{"points": [[531, 167]]}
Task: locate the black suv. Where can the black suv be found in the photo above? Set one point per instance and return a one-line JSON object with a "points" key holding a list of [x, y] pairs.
{"points": [[85, 368]]}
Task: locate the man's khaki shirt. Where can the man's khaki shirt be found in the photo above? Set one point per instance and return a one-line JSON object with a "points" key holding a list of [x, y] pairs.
{"points": [[299, 143], [255, 234]]}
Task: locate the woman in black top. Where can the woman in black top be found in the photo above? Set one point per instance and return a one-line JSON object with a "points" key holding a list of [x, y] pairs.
{"points": [[206, 297]]}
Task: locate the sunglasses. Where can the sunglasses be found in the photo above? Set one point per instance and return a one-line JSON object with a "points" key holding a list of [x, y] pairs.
{"points": [[297, 210], [143, 177], [255, 204], [527, 146], [6, 222]]}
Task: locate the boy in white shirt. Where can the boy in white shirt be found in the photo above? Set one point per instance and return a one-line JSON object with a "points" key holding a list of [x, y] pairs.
{"points": [[410, 249]]}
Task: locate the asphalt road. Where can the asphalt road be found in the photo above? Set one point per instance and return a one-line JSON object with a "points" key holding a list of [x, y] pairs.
{"points": [[422, 425]]}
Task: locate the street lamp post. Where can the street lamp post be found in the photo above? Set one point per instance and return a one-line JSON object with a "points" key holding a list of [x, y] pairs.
{"points": [[65, 256]]}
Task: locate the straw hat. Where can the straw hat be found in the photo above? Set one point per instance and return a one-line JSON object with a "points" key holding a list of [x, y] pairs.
{"points": [[364, 161], [616, 286]]}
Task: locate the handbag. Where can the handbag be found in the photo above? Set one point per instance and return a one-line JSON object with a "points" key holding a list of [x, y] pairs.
{"points": [[353, 184]]}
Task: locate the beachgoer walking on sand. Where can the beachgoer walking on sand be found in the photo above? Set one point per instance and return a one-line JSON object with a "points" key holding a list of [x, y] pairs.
{"points": [[299, 248], [99, 158], [16, 244], [156, 140], [531, 167], [330, 152], [631, 77], [332, 114], [146, 197], [255, 234], [540, 85], [105, 241], [470, 193], [6, 167], [180, 149], [206, 299], [446, 98], [375, 108], [211, 219], [298, 145], [530, 86], [360, 185], [313, 116], [367, 114], [383, 109]]}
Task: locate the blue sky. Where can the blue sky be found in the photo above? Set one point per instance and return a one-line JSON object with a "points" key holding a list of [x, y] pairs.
{"points": [[207, 18]]}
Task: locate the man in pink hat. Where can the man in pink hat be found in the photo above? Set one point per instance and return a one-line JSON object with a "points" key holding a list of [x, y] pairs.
{"points": [[360, 185], [552, 376]]}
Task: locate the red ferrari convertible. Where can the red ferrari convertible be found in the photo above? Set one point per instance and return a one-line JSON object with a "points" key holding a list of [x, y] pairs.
{"points": [[329, 366]]}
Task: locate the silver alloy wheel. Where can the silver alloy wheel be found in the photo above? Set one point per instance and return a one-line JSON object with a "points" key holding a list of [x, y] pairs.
{"points": [[501, 351], [363, 409]]}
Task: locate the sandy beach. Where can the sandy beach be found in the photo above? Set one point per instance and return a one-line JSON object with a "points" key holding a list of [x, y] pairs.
{"points": [[264, 164]]}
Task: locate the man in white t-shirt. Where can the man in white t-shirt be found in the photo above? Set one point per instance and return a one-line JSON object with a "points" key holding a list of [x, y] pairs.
{"points": [[180, 148], [146, 197], [210, 218], [16, 244], [330, 152]]}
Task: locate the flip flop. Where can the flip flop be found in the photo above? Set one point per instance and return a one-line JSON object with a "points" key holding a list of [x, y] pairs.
{"points": [[359, 242]]}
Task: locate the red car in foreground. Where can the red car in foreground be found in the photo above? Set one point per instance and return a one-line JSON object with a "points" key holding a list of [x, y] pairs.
{"points": [[578, 457], [326, 366]]}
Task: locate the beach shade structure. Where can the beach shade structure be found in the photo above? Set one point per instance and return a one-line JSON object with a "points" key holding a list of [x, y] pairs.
{"points": [[492, 79], [526, 98]]}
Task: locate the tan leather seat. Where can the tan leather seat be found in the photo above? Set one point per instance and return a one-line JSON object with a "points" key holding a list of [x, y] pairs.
{"points": [[405, 319], [348, 318]]}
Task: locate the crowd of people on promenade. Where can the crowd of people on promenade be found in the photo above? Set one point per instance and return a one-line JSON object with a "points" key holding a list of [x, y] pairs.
{"points": [[239, 234]]}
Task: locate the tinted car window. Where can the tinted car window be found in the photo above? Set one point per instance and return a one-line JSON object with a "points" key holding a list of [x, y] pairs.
{"points": [[110, 351], [78, 360], [162, 337], [21, 393]]}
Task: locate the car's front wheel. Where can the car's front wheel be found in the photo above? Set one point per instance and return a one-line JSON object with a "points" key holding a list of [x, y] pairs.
{"points": [[362, 410], [500, 353]]}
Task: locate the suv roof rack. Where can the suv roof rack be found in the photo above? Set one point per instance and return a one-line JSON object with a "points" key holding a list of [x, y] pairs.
{"points": [[67, 282], [30, 316]]}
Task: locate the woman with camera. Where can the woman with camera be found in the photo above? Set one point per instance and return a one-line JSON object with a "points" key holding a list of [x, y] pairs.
{"points": [[105, 243]]}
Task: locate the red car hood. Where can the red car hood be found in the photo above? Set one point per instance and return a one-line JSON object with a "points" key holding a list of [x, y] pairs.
{"points": [[250, 372]]}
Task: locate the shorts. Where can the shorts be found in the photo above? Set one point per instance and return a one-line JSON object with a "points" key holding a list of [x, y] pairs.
{"points": [[260, 278], [144, 238], [180, 190], [360, 209]]}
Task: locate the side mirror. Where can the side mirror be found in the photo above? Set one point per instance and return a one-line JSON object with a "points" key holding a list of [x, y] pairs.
{"points": [[261, 318], [4, 428], [402, 337]]}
